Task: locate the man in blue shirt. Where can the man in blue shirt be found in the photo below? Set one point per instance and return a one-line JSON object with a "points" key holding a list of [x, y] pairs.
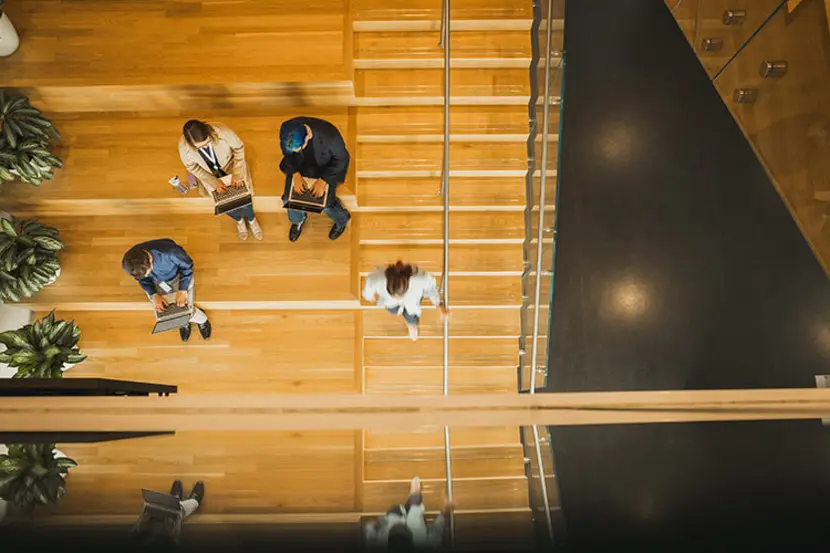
{"points": [[161, 266]]}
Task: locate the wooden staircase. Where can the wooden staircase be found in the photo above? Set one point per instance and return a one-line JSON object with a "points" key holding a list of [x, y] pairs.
{"points": [[267, 299]]}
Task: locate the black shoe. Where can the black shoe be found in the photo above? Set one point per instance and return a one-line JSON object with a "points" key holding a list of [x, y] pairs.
{"points": [[184, 332], [295, 231], [198, 492], [336, 232], [204, 330], [177, 490]]}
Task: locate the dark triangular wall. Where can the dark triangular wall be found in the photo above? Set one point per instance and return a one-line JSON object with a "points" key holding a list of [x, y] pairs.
{"points": [[677, 264]]}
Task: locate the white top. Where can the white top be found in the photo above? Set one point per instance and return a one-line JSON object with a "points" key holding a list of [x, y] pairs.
{"points": [[421, 285]]}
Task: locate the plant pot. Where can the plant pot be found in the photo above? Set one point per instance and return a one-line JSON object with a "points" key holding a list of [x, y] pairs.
{"points": [[9, 41]]}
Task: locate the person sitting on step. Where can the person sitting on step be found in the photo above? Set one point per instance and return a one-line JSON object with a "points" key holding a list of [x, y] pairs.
{"points": [[213, 151], [315, 158], [161, 266], [403, 527], [400, 288], [150, 534]]}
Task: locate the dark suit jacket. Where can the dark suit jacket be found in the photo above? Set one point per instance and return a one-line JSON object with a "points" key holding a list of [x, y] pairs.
{"points": [[330, 154]]}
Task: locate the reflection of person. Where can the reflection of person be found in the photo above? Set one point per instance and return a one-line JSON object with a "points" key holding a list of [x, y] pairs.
{"points": [[160, 267], [315, 158], [158, 535], [403, 527], [211, 152], [399, 288]]}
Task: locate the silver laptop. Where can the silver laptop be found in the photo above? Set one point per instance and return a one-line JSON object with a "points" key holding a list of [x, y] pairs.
{"points": [[232, 198], [161, 505], [172, 318]]}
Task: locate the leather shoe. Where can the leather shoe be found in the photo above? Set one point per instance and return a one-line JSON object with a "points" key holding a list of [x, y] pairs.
{"points": [[184, 332], [336, 232], [204, 330], [198, 492], [295, 231]]}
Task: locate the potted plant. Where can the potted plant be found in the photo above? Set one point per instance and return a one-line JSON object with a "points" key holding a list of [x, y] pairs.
{"points": [[43, 349], [28, 257], [33, 475], [9, 41], [24, 142]]}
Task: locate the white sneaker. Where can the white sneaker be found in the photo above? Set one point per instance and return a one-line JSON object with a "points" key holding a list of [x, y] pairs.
{"points": [[242, 229], [415, 486], [256, 229], [413, 331]]}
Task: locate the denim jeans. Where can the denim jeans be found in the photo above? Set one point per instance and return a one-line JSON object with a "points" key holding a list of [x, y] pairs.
{"points": [[408, 317], [336, 212], [246, 211]]}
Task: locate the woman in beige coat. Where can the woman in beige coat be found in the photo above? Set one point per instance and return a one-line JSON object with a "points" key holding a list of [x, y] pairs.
{"points": [[210, 152]]}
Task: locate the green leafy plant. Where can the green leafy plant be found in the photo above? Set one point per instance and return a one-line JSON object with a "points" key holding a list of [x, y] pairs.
{"points": [[32, 475], [24, 142], [28, 257], [41, 349]]}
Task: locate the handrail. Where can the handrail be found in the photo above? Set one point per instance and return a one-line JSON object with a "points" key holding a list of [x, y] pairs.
{"points": [[543, 482], [445, 191], [534, 347]]}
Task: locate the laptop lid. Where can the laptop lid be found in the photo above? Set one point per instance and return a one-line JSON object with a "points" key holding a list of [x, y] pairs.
{"points": [[159, 499], [171, 324]]}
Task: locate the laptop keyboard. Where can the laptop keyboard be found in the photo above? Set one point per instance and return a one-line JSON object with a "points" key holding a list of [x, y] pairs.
{"points": [[174, 311], [230, 194]]}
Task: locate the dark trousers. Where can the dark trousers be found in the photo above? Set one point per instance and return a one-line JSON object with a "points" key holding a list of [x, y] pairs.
{"points": [[415, 499], [408, 317]]}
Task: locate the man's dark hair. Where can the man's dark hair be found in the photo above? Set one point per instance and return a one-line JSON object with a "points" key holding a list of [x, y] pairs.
{"points": [[137, 262], [400, 539]]}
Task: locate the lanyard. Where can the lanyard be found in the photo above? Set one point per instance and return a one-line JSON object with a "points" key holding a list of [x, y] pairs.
{"points": [[210, 156]]}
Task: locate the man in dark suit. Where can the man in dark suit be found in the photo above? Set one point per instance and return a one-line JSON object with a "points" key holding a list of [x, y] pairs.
{"points": [[314, 157]]}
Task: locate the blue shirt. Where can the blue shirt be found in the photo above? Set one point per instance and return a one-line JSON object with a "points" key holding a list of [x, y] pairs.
{"points": [[169, 260]]}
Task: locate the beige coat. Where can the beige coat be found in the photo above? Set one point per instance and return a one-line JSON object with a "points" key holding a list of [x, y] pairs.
{"points": [[230, 152]]}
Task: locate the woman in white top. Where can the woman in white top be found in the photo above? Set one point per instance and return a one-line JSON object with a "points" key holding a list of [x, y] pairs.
{"points": [[211, 152], [399, 288]]}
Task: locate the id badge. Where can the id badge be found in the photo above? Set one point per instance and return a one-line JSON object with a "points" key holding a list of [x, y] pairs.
{"points": [[166, 288]]}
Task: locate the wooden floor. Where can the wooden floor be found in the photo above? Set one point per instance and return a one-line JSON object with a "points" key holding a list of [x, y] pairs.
{"points": [[287, 317]]}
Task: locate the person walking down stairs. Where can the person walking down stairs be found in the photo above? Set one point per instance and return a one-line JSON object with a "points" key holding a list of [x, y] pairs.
{"points": [[157, 530], [162, 267], [403, 527], [314, 158], [399, 288], [211, 152]]}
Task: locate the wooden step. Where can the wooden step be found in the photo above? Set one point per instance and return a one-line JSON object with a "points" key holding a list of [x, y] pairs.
{"points": [[434, 437], [512, 531], [477, 321], [487, 257], [425, 9], [99, 150], [250, 352], [392, 156], [409, 120], [469, 493], [424, 45], [226, 269], [429, 381], [430, 82], [422, 192], [427, 352], [464, 225], [124, 71], [468, 462], [110, 475], [480, 290]]}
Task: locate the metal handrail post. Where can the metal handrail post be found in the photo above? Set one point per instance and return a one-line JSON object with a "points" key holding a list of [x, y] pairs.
{"points": [[542, 182], [543, 482], [445, 190]]}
